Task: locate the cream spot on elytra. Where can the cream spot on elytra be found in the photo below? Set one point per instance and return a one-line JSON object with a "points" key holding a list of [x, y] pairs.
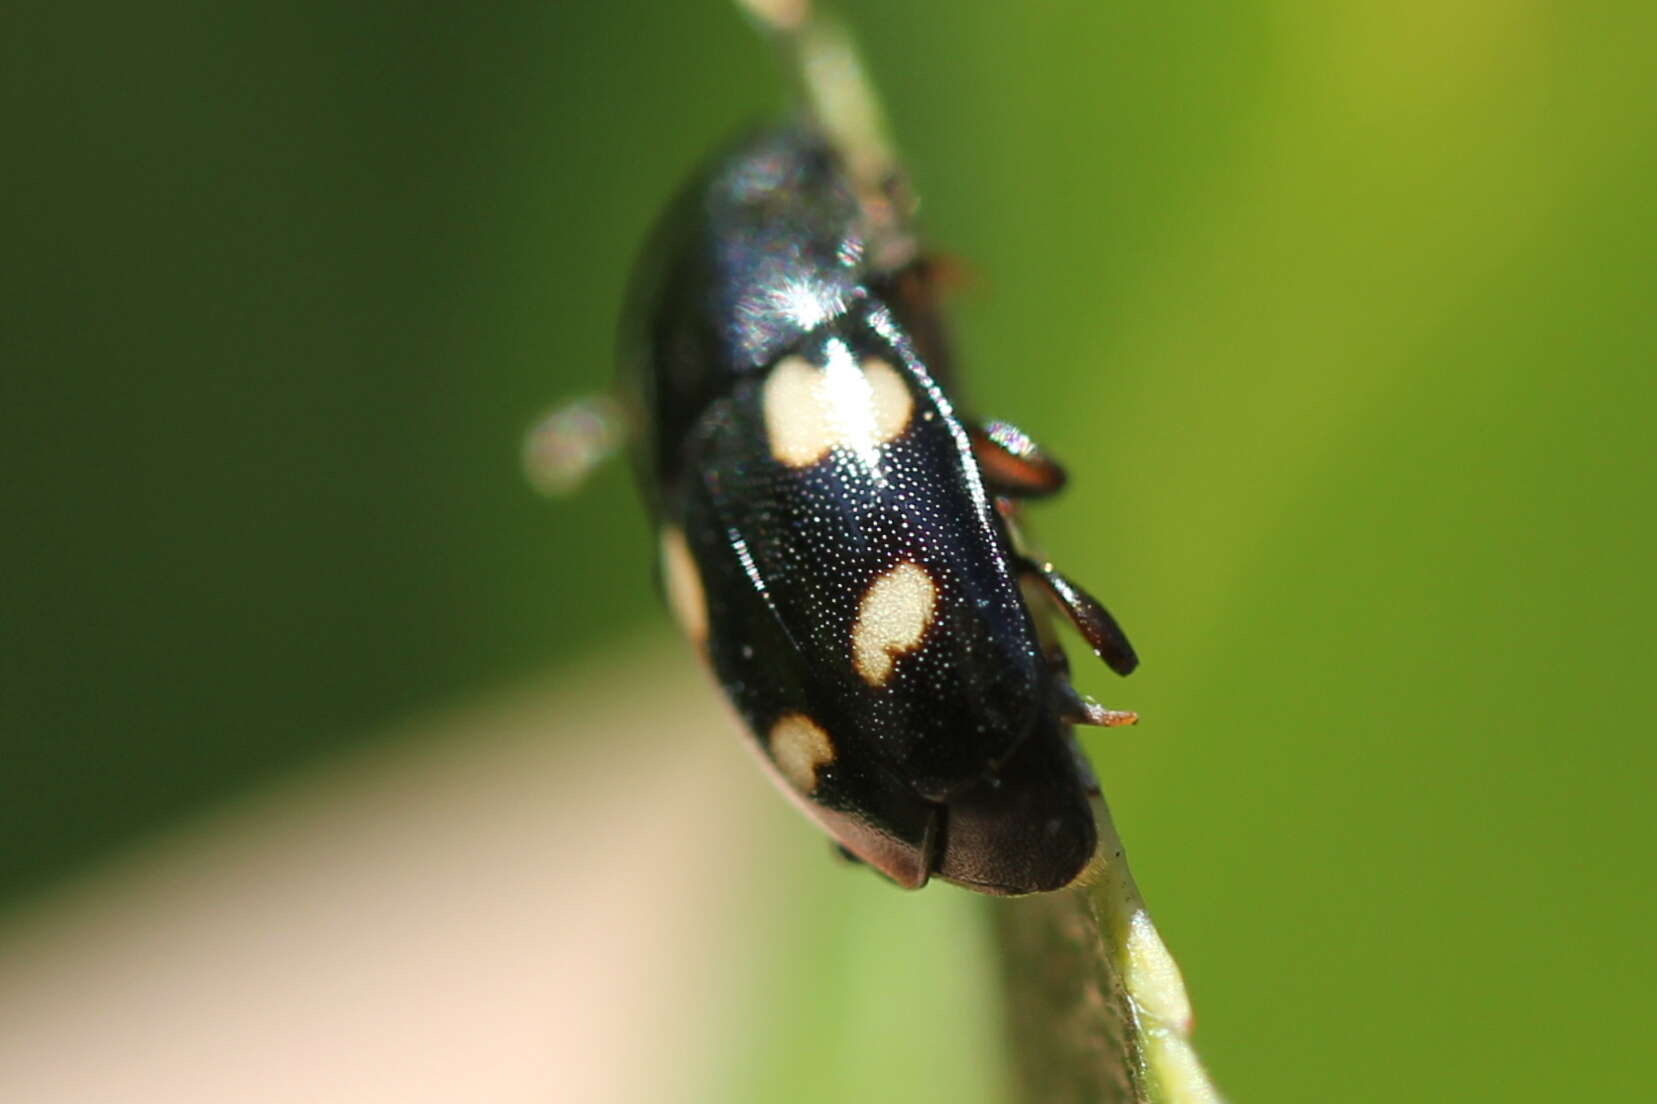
{"points": [[796, 420], [810, 411], [893, 404], [893, 616], [800, 748], [683, 583]]}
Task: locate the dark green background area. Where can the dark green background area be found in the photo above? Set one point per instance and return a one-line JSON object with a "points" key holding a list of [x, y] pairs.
{"points": [[1341, 316]]}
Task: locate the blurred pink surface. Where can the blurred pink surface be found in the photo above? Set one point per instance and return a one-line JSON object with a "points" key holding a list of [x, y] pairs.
{"points": [[525, 901]]}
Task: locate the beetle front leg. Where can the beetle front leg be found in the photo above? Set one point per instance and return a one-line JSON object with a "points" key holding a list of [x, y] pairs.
{"points": [[1012, 464]]}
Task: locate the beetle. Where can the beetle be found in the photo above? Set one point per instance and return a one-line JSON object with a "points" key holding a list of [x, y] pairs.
{"points": [[840, 542]]}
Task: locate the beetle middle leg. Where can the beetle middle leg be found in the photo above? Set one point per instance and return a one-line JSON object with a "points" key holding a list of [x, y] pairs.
{"points": [[1090, 617]]}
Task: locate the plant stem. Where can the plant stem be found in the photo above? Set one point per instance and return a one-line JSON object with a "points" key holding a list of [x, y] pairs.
{"points": [[1096, 1007]]}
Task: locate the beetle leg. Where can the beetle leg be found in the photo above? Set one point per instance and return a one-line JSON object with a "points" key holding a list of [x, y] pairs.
{"points": [[570, 442], [1078, 708], [844, 853], [941, 274], [1091, 619], [1012, 464]]}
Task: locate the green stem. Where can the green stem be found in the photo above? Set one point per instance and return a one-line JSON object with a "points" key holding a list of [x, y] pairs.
{"points": [[1096, 1007]]}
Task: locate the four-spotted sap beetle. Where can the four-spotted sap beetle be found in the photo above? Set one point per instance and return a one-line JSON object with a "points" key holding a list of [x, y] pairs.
{"points": [[838, 540]]}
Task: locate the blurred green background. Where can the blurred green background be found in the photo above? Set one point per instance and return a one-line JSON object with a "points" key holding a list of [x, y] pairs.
{"points": [[1339, 314]]}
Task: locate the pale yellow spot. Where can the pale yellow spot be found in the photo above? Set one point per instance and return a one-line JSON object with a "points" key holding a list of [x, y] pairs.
{"points": [[796, 422], [893, 404], [892, 618], [811, 411], [683, 583], [800, 748]]}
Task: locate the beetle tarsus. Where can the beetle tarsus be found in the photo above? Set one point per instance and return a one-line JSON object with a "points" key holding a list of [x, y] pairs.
{"points": [[1078, 708], [1095, 714]]}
